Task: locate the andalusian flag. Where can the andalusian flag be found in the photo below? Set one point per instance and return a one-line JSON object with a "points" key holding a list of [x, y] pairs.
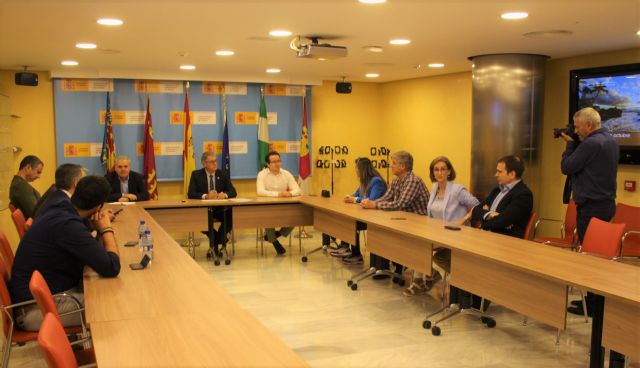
{"points": [[263, 133], [108, 153], [188, 159], [149, 165]]}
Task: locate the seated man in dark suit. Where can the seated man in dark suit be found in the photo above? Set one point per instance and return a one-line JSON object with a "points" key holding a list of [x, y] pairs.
{"points": [[59, 244], [67, 178], [126, 185], [211, 183], [508, 207]]}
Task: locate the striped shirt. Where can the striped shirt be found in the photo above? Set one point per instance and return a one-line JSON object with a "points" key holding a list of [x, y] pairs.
{"points": [[408, 194]]}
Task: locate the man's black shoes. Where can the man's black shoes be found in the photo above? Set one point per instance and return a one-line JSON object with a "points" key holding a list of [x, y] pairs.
{"points": [[279, 248]]}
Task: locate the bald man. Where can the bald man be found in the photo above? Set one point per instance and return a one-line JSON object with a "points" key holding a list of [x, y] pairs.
{"points": [[126, 185]]}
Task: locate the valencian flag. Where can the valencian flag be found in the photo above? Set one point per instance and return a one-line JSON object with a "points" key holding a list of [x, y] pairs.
{"points": [[108, 153], [188, 159], [149, 165], [304, 170], [263, 132], [226, 159]]}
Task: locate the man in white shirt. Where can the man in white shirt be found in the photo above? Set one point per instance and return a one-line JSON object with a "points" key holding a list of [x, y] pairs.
{"points": [[274, 181]]}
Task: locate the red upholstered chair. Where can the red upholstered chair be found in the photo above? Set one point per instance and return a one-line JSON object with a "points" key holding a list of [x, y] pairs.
{"points": [[603, 239], [56, 348], [12, 334], [568, 235], [7, 252], [630, 216], [42, 294], [20, 222], [530, 226]]}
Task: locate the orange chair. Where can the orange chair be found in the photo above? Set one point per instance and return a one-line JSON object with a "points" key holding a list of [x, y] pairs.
{"points": [[530, 226], [56, 348], [20, 222], [603, 239], [12, 335], [568, 233], [7, 252], [629, 215], [42, 294]]}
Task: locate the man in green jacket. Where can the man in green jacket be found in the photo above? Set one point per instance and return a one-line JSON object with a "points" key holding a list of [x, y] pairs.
{"points": [[22, 195]]}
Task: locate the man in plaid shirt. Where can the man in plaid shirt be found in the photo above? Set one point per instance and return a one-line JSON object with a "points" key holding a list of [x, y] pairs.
{"points": [[407, 191]]}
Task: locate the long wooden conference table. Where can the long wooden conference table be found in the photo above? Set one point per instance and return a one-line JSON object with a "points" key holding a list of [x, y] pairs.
{"points": [[174, 314]]}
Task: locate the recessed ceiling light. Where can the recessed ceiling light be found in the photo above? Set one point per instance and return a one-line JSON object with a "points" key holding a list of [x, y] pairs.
{"points": [[273, 70], [372, 75], [187, 67], [224, 52], [435, 65], [638, 33], [514, 15], [69, 63], [376, 49], [372, 1], [280, 33], [400, 41], [86, 45], [110, 22]]}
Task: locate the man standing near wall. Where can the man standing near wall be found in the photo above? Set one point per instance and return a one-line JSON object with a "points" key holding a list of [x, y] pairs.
{"points": [[22, 195], [593, 167]]}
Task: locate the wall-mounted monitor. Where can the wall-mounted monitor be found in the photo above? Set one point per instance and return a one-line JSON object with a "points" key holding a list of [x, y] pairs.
{"points": [[615, 92]]}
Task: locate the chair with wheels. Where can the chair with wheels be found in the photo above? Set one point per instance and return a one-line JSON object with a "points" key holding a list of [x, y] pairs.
{"points": [[461, 302]]}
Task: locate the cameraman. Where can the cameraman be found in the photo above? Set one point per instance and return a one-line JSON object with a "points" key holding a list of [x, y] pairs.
{"points": [[592, 166]]}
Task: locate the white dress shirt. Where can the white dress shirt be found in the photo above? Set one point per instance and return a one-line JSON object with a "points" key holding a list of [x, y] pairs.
{"points": [[270, 184]]}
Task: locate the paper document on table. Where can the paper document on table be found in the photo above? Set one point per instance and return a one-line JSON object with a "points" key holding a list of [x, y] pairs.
{"points": [[240, 199], [121, 203]]}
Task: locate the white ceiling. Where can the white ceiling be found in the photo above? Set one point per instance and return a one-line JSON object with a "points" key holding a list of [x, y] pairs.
{"points": [[41, 33]]}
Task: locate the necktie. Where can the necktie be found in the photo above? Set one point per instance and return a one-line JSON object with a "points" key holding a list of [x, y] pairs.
{"points": [[212, 185]]}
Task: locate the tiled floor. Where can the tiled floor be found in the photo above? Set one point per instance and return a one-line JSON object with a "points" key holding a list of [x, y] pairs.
{"points": [[311, 308]]}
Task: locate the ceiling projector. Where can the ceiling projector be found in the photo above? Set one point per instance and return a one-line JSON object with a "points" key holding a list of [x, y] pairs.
{"points": [[318, 51]]}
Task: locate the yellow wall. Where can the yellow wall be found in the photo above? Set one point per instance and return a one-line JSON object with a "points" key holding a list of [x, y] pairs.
{"points": [[352, 120], [33, 131], [430, 117], [556, 114]]}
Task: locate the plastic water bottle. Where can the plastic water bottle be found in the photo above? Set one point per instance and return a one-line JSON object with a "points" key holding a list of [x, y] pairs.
{"points": [[141, 229], [147, 245]]}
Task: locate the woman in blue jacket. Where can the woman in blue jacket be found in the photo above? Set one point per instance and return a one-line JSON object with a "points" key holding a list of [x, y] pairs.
{"points": [[372, 186], [450, 202]]}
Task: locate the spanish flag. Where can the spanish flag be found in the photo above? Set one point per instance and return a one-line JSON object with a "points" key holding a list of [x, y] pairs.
{"points": [[149, 165], [188, 159]]}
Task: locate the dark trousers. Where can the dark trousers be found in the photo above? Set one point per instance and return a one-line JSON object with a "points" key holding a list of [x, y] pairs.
{"points": [[603, 210], [223, 215]]}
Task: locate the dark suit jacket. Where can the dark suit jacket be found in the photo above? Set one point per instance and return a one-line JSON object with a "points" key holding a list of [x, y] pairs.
{"points": [[136, 186], [198, 184], [50, 198], [514, 209]]}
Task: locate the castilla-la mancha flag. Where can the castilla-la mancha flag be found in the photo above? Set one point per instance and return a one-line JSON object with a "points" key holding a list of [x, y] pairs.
{"points": [[304, 170], [149, 166]]}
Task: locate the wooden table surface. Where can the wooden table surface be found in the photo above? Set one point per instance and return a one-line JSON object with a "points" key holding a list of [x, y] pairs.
{"points": [[172, 313]]}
